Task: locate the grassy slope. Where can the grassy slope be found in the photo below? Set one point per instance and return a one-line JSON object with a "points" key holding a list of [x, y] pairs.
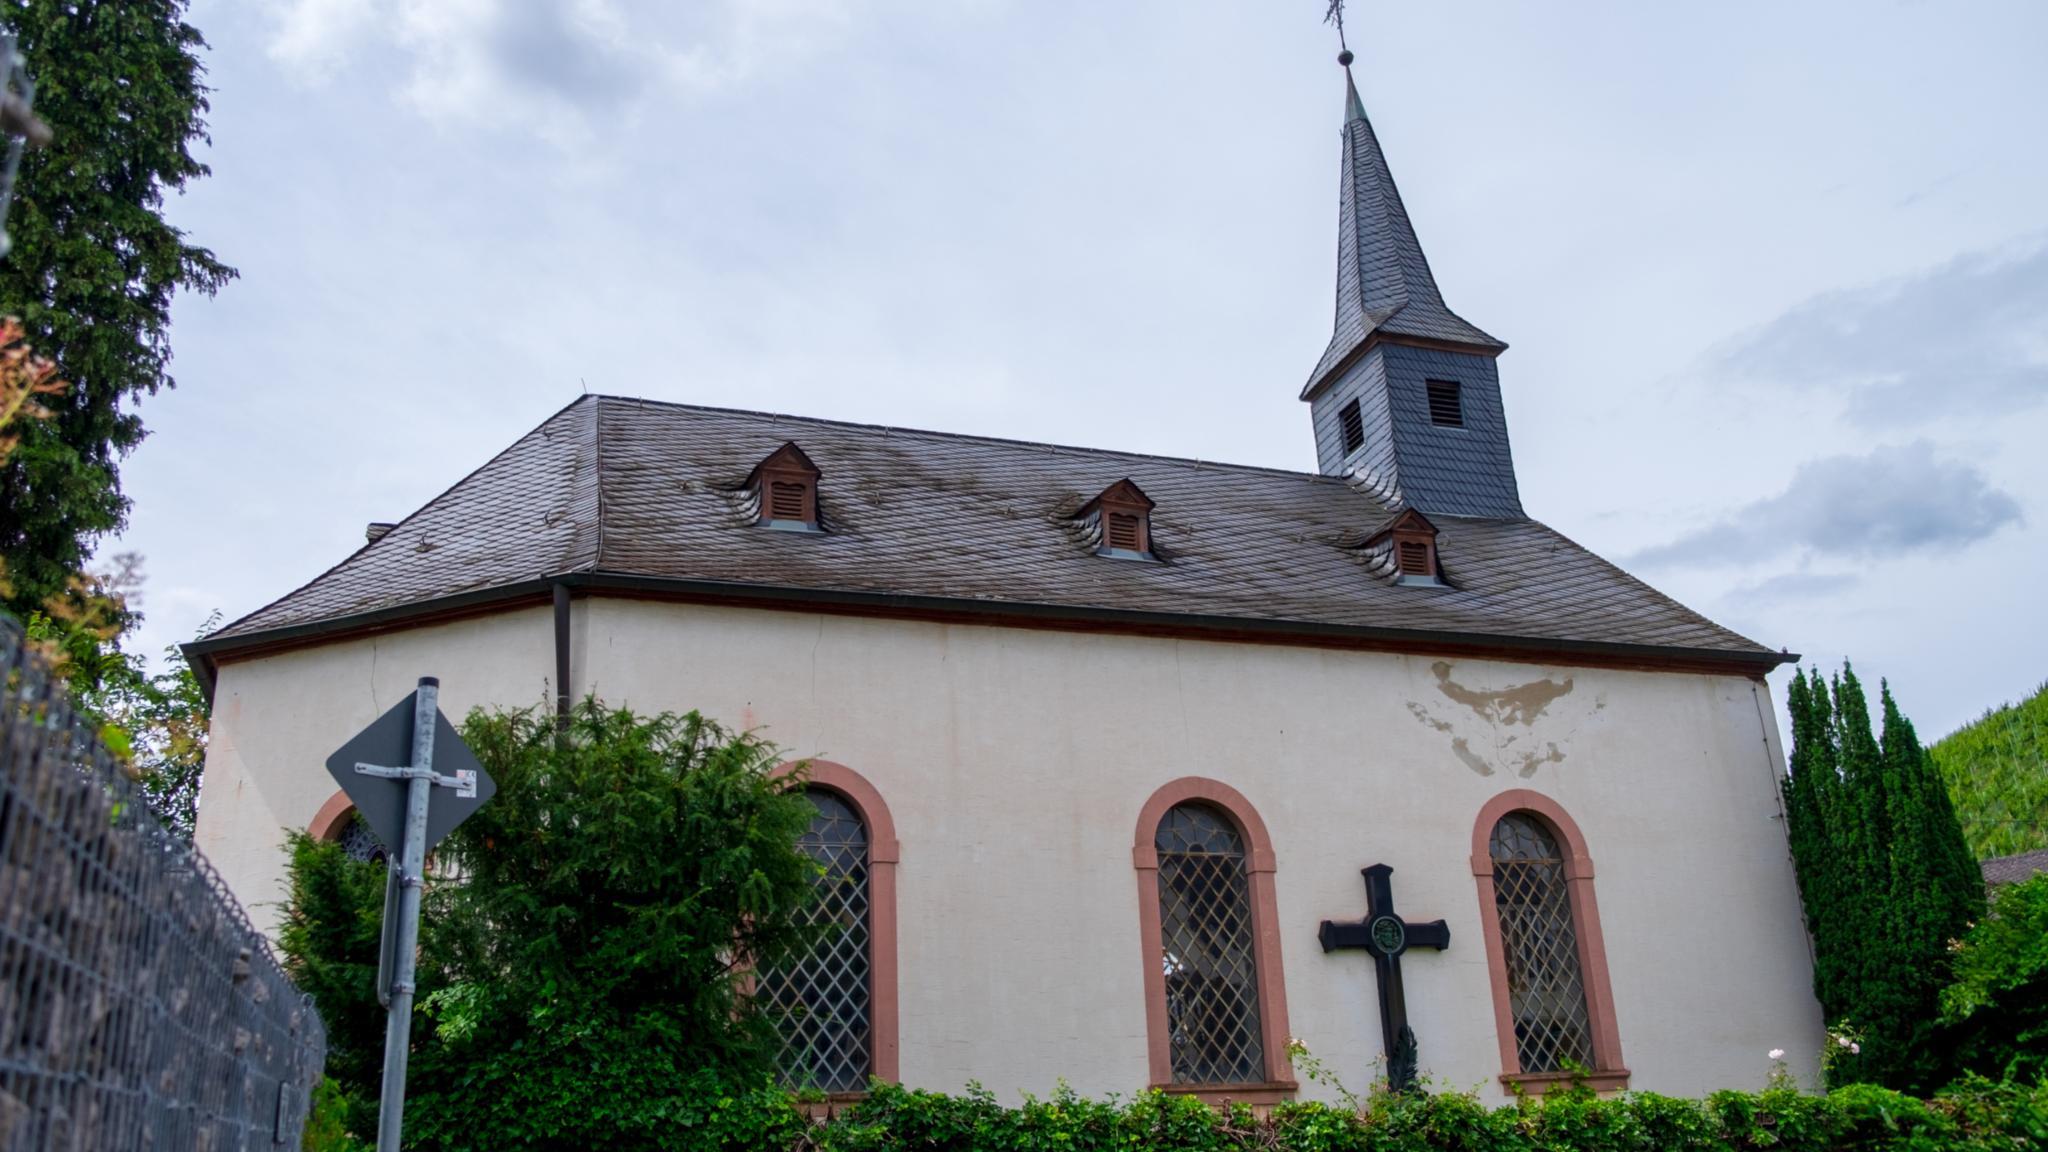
{"points": [[1997, 773]]}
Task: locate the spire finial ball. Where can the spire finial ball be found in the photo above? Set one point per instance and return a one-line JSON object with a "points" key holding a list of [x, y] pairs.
{"points": [[1345, 57]]}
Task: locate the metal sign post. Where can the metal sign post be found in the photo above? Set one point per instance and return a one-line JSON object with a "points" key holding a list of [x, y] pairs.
{"points": [[409, 807]]}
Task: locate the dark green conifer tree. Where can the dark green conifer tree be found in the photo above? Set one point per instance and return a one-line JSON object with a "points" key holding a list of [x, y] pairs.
{"points": [[1886, 878], [94, 264]]}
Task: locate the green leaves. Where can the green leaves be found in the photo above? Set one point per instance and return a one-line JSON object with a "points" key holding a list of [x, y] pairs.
{"points": [[586, 943], [94, 265], [1997, 1008], [1996, 769], [1885, 876]]}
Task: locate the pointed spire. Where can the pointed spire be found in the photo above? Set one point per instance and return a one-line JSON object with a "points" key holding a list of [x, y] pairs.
{"points": [[1383, 280]]}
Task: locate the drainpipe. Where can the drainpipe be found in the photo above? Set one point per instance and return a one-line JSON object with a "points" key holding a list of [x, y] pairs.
{"points": [[562, 660]]}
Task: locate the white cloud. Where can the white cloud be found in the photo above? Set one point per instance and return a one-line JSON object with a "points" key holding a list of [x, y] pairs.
{"points": [[1968, 338], [1890, 501], [557, 67], [313, 37]]}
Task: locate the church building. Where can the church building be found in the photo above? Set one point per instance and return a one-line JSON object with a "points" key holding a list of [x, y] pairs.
{"points": [[1130, 770]]}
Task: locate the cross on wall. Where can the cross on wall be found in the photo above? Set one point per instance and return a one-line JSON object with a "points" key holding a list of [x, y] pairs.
{"points": [[1386, 936]]}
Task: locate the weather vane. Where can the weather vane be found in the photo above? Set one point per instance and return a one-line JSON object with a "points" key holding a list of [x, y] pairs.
{"points": [[1335, 15]]}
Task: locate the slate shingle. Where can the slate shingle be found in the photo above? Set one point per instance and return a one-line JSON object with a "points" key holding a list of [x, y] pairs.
{"points": [[651, 490], [1383, 280]]}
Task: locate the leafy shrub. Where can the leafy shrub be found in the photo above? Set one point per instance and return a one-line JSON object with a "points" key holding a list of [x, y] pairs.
{"points": [[1978, 1116], [1997, 1008], [584, 951]]}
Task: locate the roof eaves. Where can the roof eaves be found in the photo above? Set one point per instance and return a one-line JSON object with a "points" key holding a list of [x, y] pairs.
{"points": [[203, 654]]}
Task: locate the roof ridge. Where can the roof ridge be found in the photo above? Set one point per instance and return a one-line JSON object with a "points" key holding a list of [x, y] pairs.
{"points": [[892, 429]]}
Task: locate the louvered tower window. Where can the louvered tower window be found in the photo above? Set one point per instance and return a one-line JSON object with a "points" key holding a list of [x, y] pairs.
{"points": [[1546, 988], [822, 1000], [1208, 949], [1352, 424], [1446, 407]]}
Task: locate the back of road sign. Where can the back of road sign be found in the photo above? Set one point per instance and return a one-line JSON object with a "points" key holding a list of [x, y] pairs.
{"points": [[387, 742]]}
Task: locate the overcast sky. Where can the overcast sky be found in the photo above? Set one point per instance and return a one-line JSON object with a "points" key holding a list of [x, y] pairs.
{"points": [[1775, 276]]}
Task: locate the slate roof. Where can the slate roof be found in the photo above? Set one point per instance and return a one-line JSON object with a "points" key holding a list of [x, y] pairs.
{"points": [[2013, 869], [627, 488], [1383, 279]]}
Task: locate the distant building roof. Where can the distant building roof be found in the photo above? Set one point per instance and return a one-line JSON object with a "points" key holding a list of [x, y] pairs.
{"points": [[2013, 869], [650, 495]]}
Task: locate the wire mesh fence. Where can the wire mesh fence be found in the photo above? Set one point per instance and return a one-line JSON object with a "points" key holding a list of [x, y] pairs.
{"points": [[139, 1009]]}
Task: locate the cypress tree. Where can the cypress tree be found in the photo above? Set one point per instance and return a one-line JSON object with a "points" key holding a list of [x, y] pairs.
{"points": [[1885, 875]]}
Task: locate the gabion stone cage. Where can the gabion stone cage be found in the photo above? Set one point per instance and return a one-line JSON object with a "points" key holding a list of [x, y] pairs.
{"points": [[821, 1000], [1208, 942], [1546, 990], [138, 1007]]}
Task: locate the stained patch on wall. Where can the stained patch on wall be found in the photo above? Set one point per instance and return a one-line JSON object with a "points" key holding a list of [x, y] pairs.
{"points": [[1519, 704], [1496, 729]]}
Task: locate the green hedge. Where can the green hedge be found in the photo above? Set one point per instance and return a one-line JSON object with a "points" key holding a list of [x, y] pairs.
{"points": [[1975, 1115]]}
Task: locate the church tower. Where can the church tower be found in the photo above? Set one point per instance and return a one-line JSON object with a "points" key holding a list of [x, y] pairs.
{"points": [[1406, 400]]}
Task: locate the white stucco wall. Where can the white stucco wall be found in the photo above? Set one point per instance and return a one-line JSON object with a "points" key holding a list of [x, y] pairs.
{"points": [[1015, 763]]}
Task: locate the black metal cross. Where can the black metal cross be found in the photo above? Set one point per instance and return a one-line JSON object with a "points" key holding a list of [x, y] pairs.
{"points": [[1384, 934]]}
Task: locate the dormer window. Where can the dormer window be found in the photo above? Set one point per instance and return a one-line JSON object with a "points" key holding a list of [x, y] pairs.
{"points": [[1446, 406], [786, 484], [1411, 544], [1352, 424], [1123, 514]]}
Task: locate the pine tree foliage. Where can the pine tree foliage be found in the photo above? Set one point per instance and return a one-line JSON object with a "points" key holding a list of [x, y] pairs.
{"points": [[94, 264], [1886, 878], [1996, 768]]}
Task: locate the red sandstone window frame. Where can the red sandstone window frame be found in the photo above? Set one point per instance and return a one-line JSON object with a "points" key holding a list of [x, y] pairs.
{"points": [[883, 854], [1261, 863], [1609, 1073], [331, 820]]}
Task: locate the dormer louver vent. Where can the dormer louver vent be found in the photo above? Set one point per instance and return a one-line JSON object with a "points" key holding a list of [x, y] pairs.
{"points": [[1123, 518], [788, 500], [1409, 543], [1413, 558], [1125, 532], [786, 485]]}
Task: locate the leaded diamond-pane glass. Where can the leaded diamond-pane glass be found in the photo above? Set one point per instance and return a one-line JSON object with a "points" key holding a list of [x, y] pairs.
{"points": [[1546, 990], [358, 842], [820, 1000], [1205, 922]]}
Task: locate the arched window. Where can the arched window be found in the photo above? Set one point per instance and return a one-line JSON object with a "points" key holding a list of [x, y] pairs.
{"points": [[822, 1000], [337, 822], [1215, 1012], [1552, 1003], [835, 1004]]}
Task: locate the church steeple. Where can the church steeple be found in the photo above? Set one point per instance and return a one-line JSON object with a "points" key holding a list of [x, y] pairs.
{"points": [[1405, 399], [1383, 280]]}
